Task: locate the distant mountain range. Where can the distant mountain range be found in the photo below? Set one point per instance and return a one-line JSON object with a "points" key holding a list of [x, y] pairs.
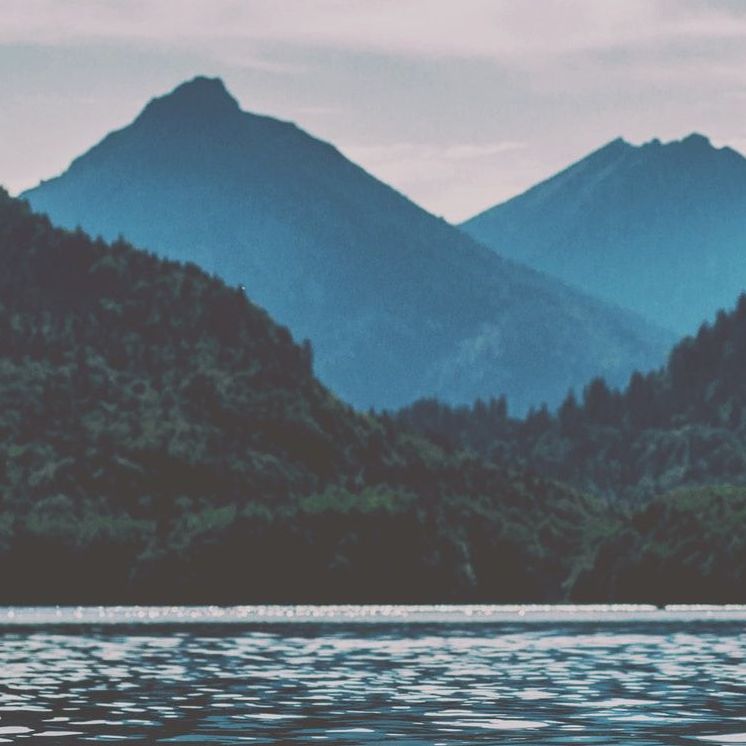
{"points": [[397, 303], [659, 229]]}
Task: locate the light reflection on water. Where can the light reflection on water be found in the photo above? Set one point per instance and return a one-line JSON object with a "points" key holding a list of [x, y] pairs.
{"points": [[591, 682]]}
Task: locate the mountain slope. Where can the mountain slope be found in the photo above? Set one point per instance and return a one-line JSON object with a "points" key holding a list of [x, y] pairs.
{"points": [[659, 229], [161, 439], [397, 303], [681, 426]]}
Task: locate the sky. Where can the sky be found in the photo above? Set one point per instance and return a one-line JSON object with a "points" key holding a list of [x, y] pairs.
{"points": [[460, 105]]}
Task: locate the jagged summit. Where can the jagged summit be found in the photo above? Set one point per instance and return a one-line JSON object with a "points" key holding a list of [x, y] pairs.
{"points": [[692, 144], [199, 97], [618, 143], [611, 152], [697, 140], [698, 148]]}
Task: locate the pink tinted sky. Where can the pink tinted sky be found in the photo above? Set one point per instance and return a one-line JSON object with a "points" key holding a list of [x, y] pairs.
{"points": [[457, 104]]}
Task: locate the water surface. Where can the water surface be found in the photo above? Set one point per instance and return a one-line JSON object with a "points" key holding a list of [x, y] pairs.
{"points": [[374, 675]]}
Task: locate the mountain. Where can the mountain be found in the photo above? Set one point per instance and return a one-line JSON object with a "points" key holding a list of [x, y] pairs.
{"points": [[163, 440], [659, 228], [680, 427], [397, 303]]}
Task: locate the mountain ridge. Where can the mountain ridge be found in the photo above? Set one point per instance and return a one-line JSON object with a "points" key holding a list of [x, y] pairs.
{"points": [[657, 228], [397, 303]]}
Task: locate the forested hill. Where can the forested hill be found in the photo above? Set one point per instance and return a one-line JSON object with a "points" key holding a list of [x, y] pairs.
{"points": [[658, 228], [397, 303], [162, 439], [681, 426]]}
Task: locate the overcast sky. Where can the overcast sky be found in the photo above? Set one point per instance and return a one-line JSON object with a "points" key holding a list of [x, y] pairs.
{"points": [[457, 103]]}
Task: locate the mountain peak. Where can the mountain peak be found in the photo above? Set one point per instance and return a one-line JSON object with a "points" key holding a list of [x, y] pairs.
{"points": [[617, 145], [398, 305], [618, 142], [696, 140], [201, 96], [658, 230]]}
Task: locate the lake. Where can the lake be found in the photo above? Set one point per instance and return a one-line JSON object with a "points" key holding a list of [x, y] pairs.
{"points": [[374, 675]]}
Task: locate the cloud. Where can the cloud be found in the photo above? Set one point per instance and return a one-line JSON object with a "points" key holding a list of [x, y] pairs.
{"points": [[398, 151], [450, 179], [498, 29], [464, 151], [458, 104], [552, 42]]}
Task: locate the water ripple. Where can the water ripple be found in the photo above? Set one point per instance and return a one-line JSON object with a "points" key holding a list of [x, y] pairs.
{"points": [[596, 681]]}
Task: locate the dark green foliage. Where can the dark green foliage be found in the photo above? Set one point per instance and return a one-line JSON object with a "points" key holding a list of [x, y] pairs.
{"points": [[684, 547], [161, 439]]}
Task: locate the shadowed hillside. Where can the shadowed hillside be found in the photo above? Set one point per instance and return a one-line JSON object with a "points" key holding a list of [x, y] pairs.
{"points": [[162, 439], [681, 426]]}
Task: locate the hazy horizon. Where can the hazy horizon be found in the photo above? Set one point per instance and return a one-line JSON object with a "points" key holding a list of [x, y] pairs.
{"points": [[458, 108]]}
